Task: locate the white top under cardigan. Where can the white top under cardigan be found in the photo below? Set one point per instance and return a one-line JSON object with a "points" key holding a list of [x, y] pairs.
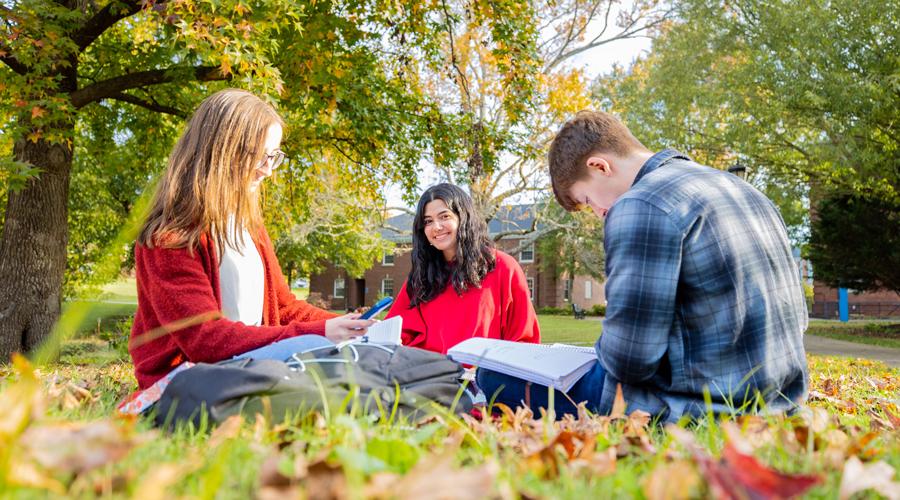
{"points": [[242, 281]]}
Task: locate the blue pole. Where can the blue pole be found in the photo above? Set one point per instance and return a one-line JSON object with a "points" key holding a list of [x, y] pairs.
{"points": [[843, 305]]}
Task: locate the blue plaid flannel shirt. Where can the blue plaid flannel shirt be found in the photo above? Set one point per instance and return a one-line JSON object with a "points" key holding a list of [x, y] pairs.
{"points": [[703, 295]]}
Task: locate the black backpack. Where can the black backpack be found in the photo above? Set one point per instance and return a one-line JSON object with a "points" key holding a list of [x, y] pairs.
{"points": [[380, 379]]}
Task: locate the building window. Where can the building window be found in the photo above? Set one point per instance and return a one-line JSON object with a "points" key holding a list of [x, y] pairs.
{"points": [[530, 288], [387, 259], [339, 288], [587, 289], [387, 287], [567, 290], [527, 255]]}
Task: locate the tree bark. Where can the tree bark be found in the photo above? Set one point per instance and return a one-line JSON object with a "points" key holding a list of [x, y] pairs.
{"points": [[33, 249]]}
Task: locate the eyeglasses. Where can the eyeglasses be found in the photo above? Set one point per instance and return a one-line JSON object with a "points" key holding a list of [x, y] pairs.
{"points": [[275, 158]]}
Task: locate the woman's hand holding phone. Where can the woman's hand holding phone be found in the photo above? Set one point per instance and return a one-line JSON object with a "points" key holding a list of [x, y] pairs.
{"points": [[346, 327]]}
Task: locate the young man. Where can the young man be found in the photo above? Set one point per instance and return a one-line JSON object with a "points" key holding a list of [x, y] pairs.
{"points": [[703, 293]]}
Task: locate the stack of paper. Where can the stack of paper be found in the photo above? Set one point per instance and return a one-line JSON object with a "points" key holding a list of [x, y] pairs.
{"points": [[556, 365], [386, 332]]}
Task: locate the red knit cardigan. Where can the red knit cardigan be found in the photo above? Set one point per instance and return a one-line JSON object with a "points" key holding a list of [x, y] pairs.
{"points": [[179, 314]]}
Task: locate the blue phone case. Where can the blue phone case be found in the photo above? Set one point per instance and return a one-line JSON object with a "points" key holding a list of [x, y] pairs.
{"points": [[379, 306]]}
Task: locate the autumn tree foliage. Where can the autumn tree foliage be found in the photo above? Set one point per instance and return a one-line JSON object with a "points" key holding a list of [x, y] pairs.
{"points": [[94, 93], [803, 93]]}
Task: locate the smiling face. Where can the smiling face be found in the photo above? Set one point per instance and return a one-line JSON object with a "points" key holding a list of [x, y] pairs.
{"points": [[264, 168], [441, 225]]}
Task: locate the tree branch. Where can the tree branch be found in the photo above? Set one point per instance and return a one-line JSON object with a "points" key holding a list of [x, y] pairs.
{"points": [[11, 61], [152, 106], [103, 20], [114, 86]]}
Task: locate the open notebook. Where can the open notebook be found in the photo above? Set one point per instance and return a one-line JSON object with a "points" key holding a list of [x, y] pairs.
{"points": [[385, 332], [556, 365]]}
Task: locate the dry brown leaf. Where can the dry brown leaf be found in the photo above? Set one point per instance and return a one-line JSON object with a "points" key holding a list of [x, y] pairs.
{"points": [[877, 476], [597, 464], [437, 478], [618, 409], [26, 474], [325, 481], [160, 478], [547, 461], [229, 429], [381, 485], [22, 401], [78, 447], [672, 481], [271, 477], [271, 493]]}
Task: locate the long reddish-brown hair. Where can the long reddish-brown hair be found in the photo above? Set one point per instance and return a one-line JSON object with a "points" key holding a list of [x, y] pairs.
{"points": [[207, 180]]}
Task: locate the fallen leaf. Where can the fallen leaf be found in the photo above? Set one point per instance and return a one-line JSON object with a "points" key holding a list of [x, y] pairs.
{"points": [[437, 478], [26, 474], [618, 408], [22, 401], [877, 476], [229, 429], [739, 474], [270, 475], [597, 464], [77, 447], [325, 481], [672, 481]]}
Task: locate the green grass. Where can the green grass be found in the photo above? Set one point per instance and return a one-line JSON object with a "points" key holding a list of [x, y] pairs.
{"points": [[362, 457], [362, 453], [880, 333], [568, 330]]}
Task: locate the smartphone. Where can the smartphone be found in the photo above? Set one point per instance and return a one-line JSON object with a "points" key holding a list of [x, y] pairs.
{"points": [[379, 306]]}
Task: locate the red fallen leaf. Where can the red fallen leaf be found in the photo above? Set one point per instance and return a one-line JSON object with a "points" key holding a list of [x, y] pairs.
{"points": [[763, 482], [740, 475]]}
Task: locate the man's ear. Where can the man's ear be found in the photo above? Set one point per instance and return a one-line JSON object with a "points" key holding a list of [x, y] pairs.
{"points": [[598, 163]]}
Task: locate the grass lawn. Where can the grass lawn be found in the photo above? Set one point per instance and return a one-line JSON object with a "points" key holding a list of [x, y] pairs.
{"points": [[58, 438], [568, 330], [880, 333]]}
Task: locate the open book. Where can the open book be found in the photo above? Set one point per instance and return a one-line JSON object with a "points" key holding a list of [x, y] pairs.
{"points": [[556, 365], [385, 332]]}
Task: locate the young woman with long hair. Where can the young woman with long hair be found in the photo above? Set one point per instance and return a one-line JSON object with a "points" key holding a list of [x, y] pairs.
{"points": [[208, 282], [460, 286]]}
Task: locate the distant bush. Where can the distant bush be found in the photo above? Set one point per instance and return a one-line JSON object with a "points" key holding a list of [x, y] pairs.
{"points": [[597, 310], [556, 311]]}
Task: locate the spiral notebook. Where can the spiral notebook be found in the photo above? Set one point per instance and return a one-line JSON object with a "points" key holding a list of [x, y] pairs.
{"points": [[556, 365]]}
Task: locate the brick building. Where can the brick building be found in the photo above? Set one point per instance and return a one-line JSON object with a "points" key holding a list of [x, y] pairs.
{"points": [[880, 304], [341, 291]]}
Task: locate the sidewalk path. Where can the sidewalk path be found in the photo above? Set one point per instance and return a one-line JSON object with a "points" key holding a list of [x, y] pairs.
{"points": [[832, 347]]}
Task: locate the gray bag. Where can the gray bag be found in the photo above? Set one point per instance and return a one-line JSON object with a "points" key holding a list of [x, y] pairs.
{"points": [[385, 377]]}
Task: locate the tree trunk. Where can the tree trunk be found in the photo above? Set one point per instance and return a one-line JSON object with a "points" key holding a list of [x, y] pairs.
{"points": [[33, 249]]}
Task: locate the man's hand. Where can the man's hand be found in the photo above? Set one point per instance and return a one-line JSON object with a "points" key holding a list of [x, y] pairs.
{"points": [[346, 327]]}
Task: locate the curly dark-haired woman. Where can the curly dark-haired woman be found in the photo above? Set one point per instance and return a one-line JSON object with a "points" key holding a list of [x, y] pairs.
{"points": [[460, 286]]}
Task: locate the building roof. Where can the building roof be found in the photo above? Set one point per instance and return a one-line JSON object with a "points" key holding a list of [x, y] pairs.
{"points": [[508, 218]]}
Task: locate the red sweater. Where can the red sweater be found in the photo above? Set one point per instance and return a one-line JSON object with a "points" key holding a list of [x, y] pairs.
{"points": [[179, 314], [500, 309]]}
